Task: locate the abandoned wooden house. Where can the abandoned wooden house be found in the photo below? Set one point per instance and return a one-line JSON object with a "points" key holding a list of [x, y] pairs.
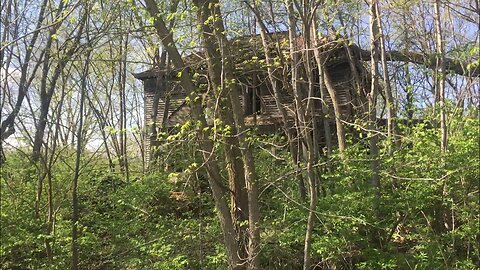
{"points": [[164, 98]]}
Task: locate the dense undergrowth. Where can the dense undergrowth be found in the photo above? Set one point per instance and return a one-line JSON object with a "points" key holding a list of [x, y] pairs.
{"points": [[427, 218]]}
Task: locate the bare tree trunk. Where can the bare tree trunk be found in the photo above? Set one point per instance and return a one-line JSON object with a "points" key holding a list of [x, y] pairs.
{"points": [[235, 163], [79, 147], [7, 127], [323, 93], [308, 30], [101, 119], [442, 221], [6, 27], [391, 111], [46, 98], [113, 120], [221, 70], [5, 64], [336, 109], [312, 136], [273, 75], [46, 95], [372, 97], [440, 76], [409, 106], [305, 117], [123, 107], [48, 169], [205, 143], [326, 79]]}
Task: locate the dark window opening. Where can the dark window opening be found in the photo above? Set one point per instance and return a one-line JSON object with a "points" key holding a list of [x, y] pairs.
{"points": [[252, 103]]}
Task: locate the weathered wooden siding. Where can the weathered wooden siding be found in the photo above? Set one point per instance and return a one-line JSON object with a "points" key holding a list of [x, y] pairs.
{"points": [[251, 76], [269, 113]]}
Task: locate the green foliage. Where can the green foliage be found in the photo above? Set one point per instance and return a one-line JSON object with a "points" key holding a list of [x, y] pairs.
{"points": [[427, 217], [123, 225], [418, 183]]}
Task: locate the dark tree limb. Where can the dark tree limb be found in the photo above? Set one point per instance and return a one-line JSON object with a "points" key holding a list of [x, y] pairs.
{"points": [[451, 65]]}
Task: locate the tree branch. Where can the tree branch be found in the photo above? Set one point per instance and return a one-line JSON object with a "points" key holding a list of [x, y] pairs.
{"points": [[451, 65]]}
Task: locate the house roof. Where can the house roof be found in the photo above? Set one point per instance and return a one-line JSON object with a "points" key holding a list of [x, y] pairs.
{"points": [[148, 74], [245, 49]]}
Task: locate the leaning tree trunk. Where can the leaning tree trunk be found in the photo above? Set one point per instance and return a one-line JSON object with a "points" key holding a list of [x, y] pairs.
{"points": [[336, 108], [221, 71], [305, 118], [327, 81], [46, 98], [323, 94], [7, 126], [46, 95], [273, 75], [391, 112], [222, 87], [203, 138]]}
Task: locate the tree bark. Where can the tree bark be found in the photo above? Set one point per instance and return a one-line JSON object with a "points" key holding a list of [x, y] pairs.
{"points": [[391, 111], [273, 75], [46, 98], [305, 118], [205, 143], [221, 82], [101, 119], [372, 97], [440, 76], [79, 147], [336, 108], [46, 95], [122, 77], [221, 71], [323, 93], [7, 127]]}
